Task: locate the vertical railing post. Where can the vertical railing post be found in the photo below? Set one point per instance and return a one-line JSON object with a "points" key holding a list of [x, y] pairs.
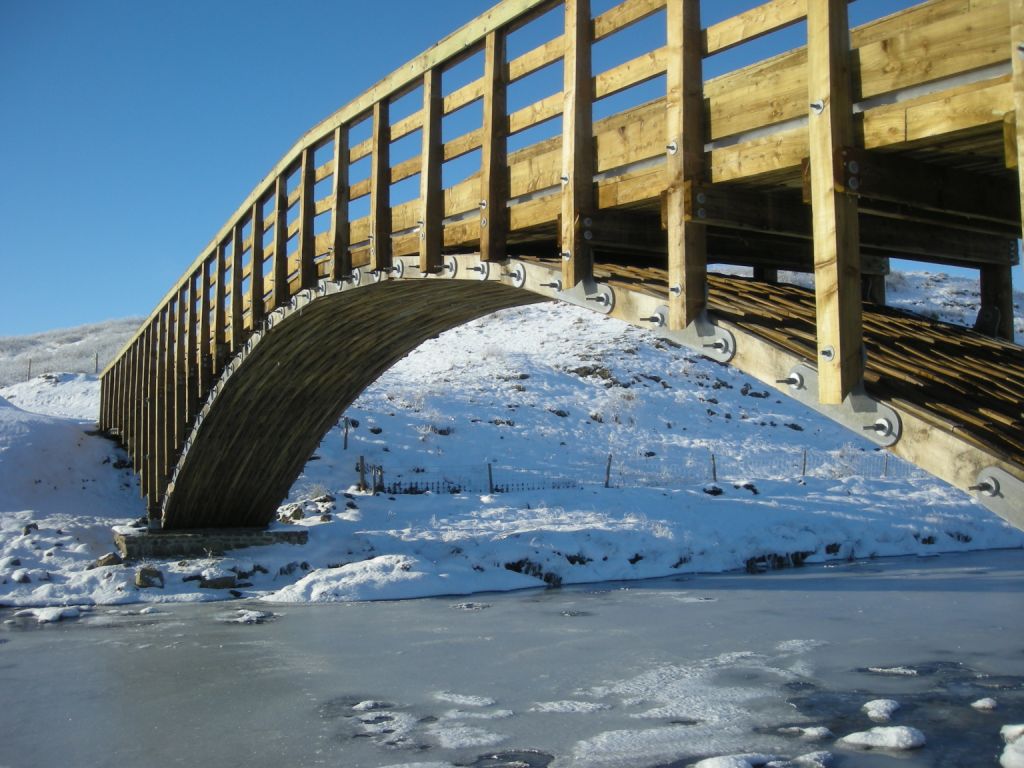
{"points": [[837, 283], [577, 143], [149, 450], [280, 261], [181, 356], [307, 212], [1017, 57], [158, 455], [380, 189], [219, 310], [341, 259], [257, 310], [134, 403], [431, 156], [193, 357], [237, 326], [494, 163], [684, 166], [205, 349]]}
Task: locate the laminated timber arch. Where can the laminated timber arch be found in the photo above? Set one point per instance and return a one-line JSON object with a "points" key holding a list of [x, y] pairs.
{"points": [[898, 138], [280, 396]]}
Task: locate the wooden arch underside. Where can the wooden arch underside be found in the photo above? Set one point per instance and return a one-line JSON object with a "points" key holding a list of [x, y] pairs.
{"points": [[282, 397]]}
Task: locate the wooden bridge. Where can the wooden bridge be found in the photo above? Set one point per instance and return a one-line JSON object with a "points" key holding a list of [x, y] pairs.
{"points": [[898, 138]]}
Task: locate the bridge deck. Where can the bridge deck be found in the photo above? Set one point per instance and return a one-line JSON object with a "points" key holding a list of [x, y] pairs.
{"points": [[813, 147]]}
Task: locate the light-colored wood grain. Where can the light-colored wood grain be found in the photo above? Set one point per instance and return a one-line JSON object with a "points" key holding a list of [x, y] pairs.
{"points": [[577, 143], [833, 213], [684, 140]]}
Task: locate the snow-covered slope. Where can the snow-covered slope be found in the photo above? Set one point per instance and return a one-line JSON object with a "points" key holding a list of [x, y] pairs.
{"points": [[709, 471], [80, 349]]}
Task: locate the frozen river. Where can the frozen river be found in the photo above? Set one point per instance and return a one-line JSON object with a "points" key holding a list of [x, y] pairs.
{"points": [[659, 673]]}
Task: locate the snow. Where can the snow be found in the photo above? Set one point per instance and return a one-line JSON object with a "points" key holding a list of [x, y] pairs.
{"points": [[513, 390], [986, 704], [881, 710], [1013, 752], [894, 737]]}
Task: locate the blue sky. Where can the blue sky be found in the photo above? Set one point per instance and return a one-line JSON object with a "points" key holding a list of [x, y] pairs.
{"points": [[132, 130]]}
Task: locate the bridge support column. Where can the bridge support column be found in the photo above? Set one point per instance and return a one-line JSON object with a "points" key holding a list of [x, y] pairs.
{"points": [[1017, 57], [494, 163], [684, 166], [836, 234], [577, 144], [995, 317]]}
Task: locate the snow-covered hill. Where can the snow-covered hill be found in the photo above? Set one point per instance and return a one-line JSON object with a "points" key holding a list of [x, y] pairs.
{"points": [[709, 471]]}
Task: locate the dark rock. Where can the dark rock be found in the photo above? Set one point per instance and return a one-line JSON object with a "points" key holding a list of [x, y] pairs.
{"points": [[376, 430], [713, 490], [219, 582], [636, 559], [147, 576], [29, 528], [111, 558], [324, 499], [558, 412], [325, 517], [21, 577], [795, 427]]}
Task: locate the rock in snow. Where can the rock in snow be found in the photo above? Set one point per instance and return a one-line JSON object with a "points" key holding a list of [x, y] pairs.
{"points": [[985, 705], [1013, 752], [881, 710], [895, 737]]}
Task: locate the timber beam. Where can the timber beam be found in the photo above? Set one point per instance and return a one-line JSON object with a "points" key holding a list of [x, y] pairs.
{"points": [[921, 190]]}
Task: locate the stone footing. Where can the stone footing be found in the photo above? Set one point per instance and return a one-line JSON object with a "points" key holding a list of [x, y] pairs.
{"points": [[137, 544]]}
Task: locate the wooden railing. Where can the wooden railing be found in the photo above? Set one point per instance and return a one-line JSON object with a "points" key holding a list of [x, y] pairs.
{"points": [[700, 155]]}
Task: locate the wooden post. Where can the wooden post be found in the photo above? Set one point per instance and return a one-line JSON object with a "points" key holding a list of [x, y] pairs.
{"points": [[362, 474], [148, 457], [996, 283], [219, 310], [237, 325], [280, 261], [192, 353], [608, 472], [257, 310], [158, 455], [834, 213], [344, 446], [180, 369], [307, 212], [431, 156], [205, 361], [490, 478], [494, 162], [341, 259], [714, 469], [1017, 57], [380, 189], [577, 143], [684, 140]]}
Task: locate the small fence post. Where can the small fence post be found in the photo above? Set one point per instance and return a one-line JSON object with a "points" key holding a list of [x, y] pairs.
{"points": [[96, 363], [803, 469], [362, 474], [885, 463], [608, 472], [714, 469], [344, 446], [490, 478], [30, 368]]}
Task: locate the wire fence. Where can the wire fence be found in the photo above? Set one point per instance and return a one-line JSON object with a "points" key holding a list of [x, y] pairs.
{"points": [[695, 466]]}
